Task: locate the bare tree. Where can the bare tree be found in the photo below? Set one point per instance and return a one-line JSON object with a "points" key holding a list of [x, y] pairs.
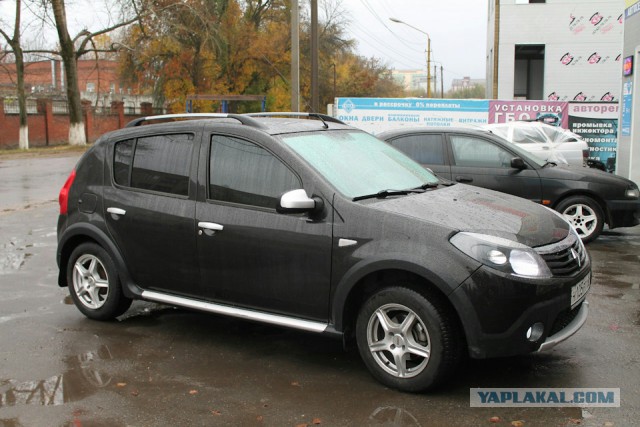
{"points": [[70, 50], [16, 47]]}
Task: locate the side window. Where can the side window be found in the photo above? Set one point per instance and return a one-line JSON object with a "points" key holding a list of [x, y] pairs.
{"points": [[480, 153], [160, 163], [122, 161], [424, 149], [242, 172]]}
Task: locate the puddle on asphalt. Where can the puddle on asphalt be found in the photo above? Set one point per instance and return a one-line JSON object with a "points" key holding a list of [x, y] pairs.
{"points": [[81, 380], [392, 416]]}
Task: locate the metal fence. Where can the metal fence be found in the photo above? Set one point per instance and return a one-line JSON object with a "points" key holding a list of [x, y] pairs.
{"points": [[11, 106], [61, 107]]}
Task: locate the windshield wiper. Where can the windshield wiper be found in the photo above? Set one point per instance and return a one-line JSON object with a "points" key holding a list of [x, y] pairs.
{"points": [[428, 186], [386, 193], [549, 164]]}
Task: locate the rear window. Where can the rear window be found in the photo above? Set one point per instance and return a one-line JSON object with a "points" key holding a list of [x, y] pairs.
{"points": [[157, 163]]}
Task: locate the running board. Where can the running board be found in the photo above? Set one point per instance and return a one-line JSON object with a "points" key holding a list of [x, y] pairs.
{"points": [[258, 316]]}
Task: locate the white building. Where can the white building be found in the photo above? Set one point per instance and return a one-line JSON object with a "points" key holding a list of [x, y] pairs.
{"points": [[628, 162], [466, 83], [411, 80], [560, 50]]}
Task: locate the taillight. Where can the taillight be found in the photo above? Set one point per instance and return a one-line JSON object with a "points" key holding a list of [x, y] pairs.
{"points": [[585, 157], [63, 199]]}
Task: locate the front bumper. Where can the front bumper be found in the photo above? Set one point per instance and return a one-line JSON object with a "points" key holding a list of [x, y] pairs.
{"points": [[573, 327], [499, 310], [623, 213]]}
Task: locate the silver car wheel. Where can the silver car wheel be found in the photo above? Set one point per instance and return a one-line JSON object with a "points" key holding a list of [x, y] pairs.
{"points": [[90, 281], [583, 219], [398, 340]]}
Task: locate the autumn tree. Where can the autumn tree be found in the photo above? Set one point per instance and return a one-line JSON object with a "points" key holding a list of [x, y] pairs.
{"points": [[188, 47]]}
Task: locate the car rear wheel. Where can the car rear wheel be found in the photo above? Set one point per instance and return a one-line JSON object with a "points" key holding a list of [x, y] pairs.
{"points": [[94, 284], [407, 341], [584, 214]]}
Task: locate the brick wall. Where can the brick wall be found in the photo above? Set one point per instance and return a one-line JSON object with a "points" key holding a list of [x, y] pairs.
{"points": [[46, 128]]}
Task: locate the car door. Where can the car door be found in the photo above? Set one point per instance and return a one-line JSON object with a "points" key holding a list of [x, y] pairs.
{"points": [[150, 209], [480, 161], [426, 148], [249, 254]]}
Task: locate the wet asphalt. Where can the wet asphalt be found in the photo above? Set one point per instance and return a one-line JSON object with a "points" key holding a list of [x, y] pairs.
{"points": [[161, 366]]}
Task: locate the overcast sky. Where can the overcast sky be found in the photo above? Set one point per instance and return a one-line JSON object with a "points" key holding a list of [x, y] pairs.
{"points": [[457, 29]]}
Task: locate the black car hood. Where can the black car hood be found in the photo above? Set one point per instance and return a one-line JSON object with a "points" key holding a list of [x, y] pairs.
{"points": [[580, 173], [467, 208]]}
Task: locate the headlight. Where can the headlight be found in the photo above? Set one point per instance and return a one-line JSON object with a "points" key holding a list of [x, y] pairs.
{"points": [[632, 193], [502, 254]]}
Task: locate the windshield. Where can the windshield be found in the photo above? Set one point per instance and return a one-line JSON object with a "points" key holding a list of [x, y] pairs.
{"points": [[358, 164]]}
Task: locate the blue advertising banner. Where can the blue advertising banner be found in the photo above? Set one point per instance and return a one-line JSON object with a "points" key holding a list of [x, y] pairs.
{"points": [[379, 114], [627, 99]]}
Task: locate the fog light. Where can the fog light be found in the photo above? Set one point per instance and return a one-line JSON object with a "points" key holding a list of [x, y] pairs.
{"points": [[535, 332]]}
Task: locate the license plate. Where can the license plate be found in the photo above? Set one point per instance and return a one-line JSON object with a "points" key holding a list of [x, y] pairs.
{"points": [[580, 289]]}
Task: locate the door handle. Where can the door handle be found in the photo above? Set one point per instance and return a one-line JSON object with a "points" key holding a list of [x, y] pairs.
{"points": [[461, 178], [116, 212], [210, 226]]}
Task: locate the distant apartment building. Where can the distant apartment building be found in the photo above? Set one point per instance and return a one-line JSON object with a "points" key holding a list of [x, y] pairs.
{"points": [[466, 83], [411, 80], [560, 50]]}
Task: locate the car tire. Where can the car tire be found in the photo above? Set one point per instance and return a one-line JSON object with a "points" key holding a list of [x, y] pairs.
{"points": [[94, 284], [585, 214], [408, 342]]}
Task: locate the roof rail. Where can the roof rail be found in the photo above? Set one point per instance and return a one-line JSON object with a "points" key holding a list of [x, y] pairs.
{"points": [[244, 119], [322, 117]]}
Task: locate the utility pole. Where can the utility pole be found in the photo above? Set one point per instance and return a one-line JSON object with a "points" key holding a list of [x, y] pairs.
{"points": [[397, 21], [295, 56], [315, 99], [435, 80], [441, 82], [428, 65]]}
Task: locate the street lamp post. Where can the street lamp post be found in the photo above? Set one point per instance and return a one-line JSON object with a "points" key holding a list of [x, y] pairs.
{"points": [[397, 21]]}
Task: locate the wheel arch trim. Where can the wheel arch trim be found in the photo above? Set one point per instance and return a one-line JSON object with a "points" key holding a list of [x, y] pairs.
{"points": [[354, 277], [82, 232]]}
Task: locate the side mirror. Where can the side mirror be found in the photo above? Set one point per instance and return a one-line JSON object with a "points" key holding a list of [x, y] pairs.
{"points": [[518, 163], [297, 201]]}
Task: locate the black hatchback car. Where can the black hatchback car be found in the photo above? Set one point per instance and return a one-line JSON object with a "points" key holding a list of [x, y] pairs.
{"points": [[315, 225], [588, 198]]}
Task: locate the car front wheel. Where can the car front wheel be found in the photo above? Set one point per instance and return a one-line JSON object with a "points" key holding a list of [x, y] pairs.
{"points": [[407, 341], [94, 284], [584, 214]]}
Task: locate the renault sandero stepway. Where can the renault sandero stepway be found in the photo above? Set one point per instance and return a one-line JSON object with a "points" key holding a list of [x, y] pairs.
{"points": [[305, 222]]}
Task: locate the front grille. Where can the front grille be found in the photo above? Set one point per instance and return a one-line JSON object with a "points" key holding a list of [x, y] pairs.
{"points": [[564, 259], [563, 320]]}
